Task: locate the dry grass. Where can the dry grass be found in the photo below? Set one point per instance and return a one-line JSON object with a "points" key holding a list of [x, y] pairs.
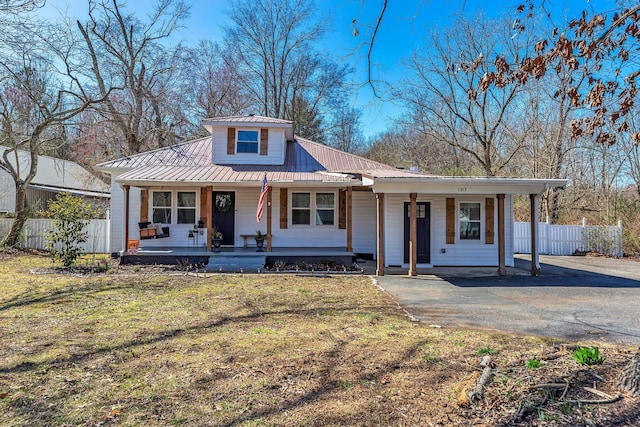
{"points": [[133, 348]]}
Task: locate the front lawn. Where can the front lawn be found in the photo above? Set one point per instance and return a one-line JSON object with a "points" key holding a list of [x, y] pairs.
{"points": [[137, 347]]}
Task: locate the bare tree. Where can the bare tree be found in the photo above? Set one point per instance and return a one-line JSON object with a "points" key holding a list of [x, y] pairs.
{"points": [[273, 44], [211, 83], [41, 89], [345, 131], [127, 57], [443, 97]]}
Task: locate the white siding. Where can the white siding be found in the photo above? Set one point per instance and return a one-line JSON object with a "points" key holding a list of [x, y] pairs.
{"points": [[307, 236], [364, 222], [275, 155], [462, 253], [7, 192]]}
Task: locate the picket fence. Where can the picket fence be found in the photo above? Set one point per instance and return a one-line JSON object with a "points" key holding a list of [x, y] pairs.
{"points": [[552, 239], [569, 239], [35, 230]]}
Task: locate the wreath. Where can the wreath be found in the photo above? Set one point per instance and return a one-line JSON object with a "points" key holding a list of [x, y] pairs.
{"points": [[223, 202]]}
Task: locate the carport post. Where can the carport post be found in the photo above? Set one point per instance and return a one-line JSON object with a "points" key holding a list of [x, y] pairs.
{"points": [[502, 267], [535, 259]]}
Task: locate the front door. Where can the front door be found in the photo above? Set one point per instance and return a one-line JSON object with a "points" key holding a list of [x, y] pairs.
{"points": [[424, 232], [224, 215]]}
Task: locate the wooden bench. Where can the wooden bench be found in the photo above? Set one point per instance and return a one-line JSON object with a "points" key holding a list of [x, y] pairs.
{"points": [[245, 237]]}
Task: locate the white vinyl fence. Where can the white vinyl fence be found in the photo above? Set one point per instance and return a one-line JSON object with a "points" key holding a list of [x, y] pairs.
{"points": [[35, 230], [567, 239]]}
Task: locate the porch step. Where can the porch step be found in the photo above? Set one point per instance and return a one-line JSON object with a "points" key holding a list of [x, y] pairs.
{"points": [[236, 264]]}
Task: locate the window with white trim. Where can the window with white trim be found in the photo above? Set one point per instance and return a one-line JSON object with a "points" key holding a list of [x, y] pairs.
{"points": [[161, 207], [469, 221], [174, 207], [325, 208], [308, 206], [248, 141], [186, 207]]}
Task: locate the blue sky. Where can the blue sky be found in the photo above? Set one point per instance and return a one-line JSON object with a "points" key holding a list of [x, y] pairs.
{"points": [[405, 27]]}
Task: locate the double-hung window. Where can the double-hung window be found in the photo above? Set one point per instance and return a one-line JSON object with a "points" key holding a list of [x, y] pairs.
{"points": [[325, 208], [168, 205], [318, 207], [161, 210], [469, 221], [301, 208], [186, 207], [248, 141]]}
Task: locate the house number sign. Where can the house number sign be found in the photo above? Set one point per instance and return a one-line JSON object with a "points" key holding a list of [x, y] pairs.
{"points": [[462, 189]]}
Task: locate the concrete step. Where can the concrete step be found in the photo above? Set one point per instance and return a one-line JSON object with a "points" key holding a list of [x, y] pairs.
{"points": [[236, 264]]}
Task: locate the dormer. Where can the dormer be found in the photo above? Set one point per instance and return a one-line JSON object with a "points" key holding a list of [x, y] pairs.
{"points": [[248, 140]]}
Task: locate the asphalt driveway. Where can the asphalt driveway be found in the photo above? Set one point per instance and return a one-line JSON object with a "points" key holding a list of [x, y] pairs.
{"points": [[576, 298]]}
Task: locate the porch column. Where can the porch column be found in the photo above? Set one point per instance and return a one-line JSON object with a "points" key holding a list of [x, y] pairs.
{"points": [[413, 236], [209, 218], [502, 268], [349, 219], [535, 258], [126, 217], [269, 219], [380, 226]]}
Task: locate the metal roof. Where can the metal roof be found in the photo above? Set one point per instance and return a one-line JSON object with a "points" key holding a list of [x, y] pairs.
{"points": [[251, 118], [59, 173], [305, 161]]}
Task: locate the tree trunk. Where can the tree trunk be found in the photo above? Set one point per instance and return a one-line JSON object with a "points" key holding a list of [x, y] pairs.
{"points": [[630, 376], [13, 238]]}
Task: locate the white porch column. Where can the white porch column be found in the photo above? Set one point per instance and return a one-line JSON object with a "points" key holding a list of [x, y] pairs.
{"points": [[380, 227]]}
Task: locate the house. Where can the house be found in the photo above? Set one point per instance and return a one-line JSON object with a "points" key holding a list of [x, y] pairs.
{"points": [[318, 199], [52, 177]]}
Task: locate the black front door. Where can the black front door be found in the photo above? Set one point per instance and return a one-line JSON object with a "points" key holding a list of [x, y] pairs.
{"points": [[424, 232], [224, 215]]}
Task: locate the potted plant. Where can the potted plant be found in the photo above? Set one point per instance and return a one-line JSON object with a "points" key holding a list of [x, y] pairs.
{"points": [[216, 239], [259, 241]]}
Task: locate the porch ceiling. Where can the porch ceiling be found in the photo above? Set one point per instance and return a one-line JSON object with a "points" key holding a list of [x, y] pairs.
{"points": [[462, 185]]}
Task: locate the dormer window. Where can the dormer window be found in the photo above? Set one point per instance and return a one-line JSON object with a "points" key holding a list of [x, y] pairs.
{"points": [[248, 141]]}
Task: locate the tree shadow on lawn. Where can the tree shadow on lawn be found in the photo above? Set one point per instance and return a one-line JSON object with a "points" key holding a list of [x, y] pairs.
{"points": [[34, 295], [38, 411], [174, 333]]}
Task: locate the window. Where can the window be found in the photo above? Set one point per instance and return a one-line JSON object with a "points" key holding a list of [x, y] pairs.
{"points": [[325, 208], [469, 221], [320, 206], [161, 207], [248, 141], [186, 207], [301, 209]]}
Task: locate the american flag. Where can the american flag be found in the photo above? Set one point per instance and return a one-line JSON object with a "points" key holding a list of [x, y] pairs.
{"points": [[263, 191]]}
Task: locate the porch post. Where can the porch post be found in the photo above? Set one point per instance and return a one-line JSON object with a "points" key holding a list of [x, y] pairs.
{"points": [[535, 259], [413, 236], [502, 268], [380, 226], [209, 218], [269, 219], [126, 216], [349, 219]]}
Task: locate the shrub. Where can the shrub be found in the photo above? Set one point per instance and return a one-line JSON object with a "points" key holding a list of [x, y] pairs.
{"points": [[69, 216], [532, 363]]}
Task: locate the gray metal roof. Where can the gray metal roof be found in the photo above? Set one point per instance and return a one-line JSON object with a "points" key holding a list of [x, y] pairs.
{"points": [[59, 174]]}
